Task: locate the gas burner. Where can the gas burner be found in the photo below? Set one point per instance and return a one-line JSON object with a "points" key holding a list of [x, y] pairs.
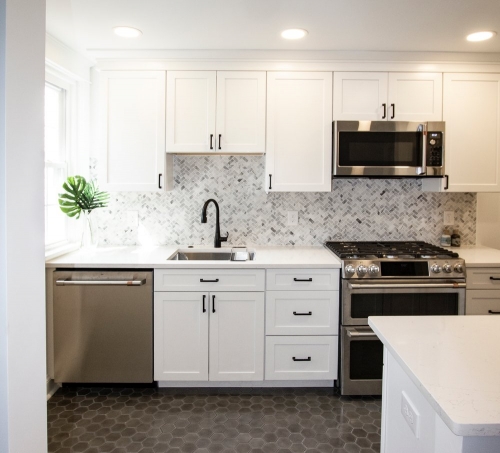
{"points": [[352, 257], [428, 257]]}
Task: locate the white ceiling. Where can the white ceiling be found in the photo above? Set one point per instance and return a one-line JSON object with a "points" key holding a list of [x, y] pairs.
{"points": [[352, 25]]}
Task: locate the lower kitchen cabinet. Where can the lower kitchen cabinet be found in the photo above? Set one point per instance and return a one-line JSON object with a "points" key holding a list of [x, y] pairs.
{"points": [[186, 351], [483, 291]]}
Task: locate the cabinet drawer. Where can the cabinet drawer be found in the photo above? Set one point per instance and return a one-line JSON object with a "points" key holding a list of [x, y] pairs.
{"points": [[481, 302], [301, 279], [481, 278], [209, 280], [302, 313], [301, 358]]}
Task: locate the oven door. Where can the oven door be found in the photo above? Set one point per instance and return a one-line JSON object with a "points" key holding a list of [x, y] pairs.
{"points": [[365, 298], [361, 362]]}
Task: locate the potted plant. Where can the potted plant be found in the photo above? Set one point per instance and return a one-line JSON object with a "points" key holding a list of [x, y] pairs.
{"points": [[80, 197]]}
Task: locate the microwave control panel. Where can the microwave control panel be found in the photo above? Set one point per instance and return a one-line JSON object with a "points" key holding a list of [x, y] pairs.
{"points": [[434, 149]]}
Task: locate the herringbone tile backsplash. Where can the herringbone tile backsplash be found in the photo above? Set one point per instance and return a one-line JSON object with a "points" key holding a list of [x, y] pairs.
{"points": [[356, 209]]}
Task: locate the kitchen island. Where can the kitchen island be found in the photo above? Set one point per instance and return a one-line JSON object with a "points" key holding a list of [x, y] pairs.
{"points": [[441, 386]]}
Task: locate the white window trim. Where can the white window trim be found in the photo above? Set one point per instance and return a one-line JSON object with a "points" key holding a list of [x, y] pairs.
{"points": [[70, 86]]}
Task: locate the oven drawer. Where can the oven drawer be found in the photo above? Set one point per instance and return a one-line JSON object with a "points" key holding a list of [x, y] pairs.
{"points": [[483, 278], [301, 358], [482, 302], [302, 312], [303, 279], [209, 280]]}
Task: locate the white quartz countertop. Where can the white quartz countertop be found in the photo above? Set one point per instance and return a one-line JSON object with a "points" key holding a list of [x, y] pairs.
{"points": [[478, 256], [157, 257], [454, 361]]}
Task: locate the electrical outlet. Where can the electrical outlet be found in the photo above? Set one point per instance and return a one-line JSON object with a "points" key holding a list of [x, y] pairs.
{"points": [[292, 218], [410, 414], [449, 218], [132, 218]]}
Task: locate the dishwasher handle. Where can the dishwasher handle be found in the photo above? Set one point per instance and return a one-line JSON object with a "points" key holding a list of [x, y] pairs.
{"points": [[68, 282]]}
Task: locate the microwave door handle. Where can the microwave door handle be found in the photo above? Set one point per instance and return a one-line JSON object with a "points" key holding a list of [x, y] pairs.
{"points": [[423, 169]]}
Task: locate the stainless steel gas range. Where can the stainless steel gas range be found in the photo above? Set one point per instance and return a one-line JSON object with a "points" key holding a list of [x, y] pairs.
{"points": [[389, 279]]}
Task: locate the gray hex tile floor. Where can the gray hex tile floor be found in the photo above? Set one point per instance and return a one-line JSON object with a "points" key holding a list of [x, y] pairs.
{"points": [[150, 420]]}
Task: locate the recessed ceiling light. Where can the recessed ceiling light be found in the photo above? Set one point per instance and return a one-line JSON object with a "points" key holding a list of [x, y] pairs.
{"points": [[294, 33], [127, 32], [481, 36]]}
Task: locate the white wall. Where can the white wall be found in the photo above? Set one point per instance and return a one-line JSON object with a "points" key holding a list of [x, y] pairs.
{"points": [[488, 220], [22, 306]]}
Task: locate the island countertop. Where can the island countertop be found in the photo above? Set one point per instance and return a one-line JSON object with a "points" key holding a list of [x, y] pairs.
{"points": [[130, 257], [454, 362]]}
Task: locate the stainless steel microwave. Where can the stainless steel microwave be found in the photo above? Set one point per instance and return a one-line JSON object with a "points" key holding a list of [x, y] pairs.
{"points": [[388, 149]]}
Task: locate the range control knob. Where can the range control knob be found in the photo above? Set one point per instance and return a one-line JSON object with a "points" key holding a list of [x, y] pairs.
{"points": [[459, 268], [362, 270], [436, 268], [349, 270], [373, 269], [432, 141], [447, 268]]}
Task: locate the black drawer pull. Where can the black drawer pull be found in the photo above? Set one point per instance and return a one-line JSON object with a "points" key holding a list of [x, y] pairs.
{"points": [[385, 111], [301, 360], [494, 278], [491, 312], [213, 304], [303, 314], [204, 308], [303, 279], [208, 281]]}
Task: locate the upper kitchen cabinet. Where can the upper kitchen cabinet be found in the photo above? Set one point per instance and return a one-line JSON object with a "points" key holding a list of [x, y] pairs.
{"points": [[131, 132], [216, 112], [379, 96], [471, 111], [299, 132]]}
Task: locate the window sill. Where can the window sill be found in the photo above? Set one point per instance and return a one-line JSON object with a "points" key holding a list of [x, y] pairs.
{"points": [[60, 250]]}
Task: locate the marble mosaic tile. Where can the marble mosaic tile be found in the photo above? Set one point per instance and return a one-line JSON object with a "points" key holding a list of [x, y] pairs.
{"points": [[356, 209]]}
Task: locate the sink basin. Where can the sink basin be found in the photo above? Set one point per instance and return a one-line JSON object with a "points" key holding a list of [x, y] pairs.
{"points": [[203, 255]]}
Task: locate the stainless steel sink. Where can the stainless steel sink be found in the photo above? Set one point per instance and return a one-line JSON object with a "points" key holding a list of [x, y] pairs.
{"points": [[202, 255]]}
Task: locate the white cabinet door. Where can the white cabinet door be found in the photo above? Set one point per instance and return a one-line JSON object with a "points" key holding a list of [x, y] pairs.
{"points": [[191, 111], [471, 111], [360, 96], [241, 112], [132, 132], [236, 336], [415, 96], [181, 336], [299, 132]]}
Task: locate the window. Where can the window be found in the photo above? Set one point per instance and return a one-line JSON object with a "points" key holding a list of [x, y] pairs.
{"points": [[56, 163]]}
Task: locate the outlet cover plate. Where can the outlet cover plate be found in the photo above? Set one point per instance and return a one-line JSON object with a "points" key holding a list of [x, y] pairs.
{"points": [[410, 414], [292, 218], [449, 218]]}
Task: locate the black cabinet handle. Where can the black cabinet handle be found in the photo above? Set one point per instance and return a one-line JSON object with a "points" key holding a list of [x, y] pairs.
{"points": [[159, 180], [204, 308], [301, 360], [491, 312], [220, 137], [213, 304], [393, 111], [494, 278], [211, 141], [309, 313], [447, 182], [202, 280], [385, 111], [270, 176], [303, 279]]}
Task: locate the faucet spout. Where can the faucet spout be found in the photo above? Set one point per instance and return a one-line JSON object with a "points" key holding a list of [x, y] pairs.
{"points": [[218, 239]]}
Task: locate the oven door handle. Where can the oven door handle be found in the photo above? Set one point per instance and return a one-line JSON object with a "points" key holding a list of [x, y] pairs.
{"points": [[357, 334], [405, 285]]}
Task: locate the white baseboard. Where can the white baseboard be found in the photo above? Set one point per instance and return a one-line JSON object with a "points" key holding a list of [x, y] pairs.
{"points": [[52, 388], [255, 384]]}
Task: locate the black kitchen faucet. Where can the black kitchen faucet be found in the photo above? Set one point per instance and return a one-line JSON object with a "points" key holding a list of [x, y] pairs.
{"points": [[218, 238]]}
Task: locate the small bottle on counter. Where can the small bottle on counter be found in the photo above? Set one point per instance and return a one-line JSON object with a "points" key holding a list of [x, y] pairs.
{"points": [[455, 239], [446, 238]]}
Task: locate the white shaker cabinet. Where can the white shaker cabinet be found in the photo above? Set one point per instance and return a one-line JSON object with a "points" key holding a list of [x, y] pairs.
{"points": [[471, 111], [131, 132], [216, 111], [299, 132], [382, 96]]}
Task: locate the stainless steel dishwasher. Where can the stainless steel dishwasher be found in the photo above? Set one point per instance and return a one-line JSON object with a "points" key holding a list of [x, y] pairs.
{"points": [[103, 326]]}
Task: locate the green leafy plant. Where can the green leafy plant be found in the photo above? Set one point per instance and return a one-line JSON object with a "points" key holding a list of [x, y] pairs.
{"points": [[80, 195]]}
